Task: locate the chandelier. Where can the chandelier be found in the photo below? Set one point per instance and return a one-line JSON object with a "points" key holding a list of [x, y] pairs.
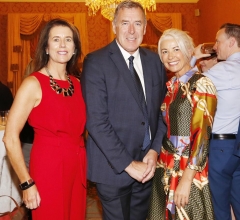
{"points": [[108, 6]]}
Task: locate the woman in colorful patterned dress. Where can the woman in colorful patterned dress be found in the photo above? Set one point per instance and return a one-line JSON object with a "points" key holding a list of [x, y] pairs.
{"points": [[180, 185], [51, 100]]}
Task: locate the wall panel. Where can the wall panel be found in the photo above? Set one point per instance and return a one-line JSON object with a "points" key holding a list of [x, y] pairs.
{"points": [[214, 14], [98, 27]]}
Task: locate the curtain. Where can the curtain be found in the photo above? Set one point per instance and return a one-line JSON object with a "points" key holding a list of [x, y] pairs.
{"points": [[161, 21], [26, 25]]}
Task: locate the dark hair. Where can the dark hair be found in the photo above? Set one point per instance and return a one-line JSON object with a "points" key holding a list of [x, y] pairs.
{"points": [[128, 4], [232, 30], [213, 55], [41, 58]]}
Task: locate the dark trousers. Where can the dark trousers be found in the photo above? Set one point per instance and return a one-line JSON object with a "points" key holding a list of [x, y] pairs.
{"points": [[225, 189], [125, 203]]}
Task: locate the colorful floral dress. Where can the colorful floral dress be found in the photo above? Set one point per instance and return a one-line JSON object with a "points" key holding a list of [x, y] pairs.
{"points": [[188, 110]]}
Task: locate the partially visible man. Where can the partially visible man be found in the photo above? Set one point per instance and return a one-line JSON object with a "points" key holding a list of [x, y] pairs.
{"points": [[6, 97], [123, 120], [226, 77], [207, 63]]}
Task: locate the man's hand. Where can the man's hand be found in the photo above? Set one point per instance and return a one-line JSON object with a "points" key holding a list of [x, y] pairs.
{"points": [[151, 160], [198, 53], [136, 170]]}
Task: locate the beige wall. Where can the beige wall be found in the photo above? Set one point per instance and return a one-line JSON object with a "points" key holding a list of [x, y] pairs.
{"points": [[202, 28], [214, 13], [98, 27]]}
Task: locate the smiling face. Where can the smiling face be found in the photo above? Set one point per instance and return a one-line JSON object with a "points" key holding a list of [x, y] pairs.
{"points": [[129, 27], [60, 44], [173, 58]]}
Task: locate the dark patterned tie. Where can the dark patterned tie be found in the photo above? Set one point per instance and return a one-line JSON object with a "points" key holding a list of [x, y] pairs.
{"points": [[139, 89]]}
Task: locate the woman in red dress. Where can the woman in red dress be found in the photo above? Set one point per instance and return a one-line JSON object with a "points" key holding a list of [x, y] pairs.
{"points": [[51, 100]]}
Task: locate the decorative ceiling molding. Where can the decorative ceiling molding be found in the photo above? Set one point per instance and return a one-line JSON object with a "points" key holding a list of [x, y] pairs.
{"points": [[158, 1], [177, 1]]}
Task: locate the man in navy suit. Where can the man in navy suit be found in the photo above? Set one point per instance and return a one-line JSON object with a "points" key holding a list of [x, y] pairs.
{"points": [[117, 160]]}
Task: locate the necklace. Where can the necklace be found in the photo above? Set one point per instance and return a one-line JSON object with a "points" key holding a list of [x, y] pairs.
{"points": [[57, 88]]}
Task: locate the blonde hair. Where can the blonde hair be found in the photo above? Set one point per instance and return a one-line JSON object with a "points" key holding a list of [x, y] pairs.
{"points": [[183, 40]]}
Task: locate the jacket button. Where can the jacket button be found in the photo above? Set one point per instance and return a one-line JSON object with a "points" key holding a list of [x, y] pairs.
{"points": [[143, 123]]}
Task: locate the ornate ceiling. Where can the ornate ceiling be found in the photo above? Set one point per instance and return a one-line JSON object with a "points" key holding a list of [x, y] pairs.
{"points": [[158, 1]]}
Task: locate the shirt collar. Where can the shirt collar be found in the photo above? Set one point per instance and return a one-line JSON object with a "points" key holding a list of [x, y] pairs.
{"points": [[126, 54], [234, 56], [184, 78]]}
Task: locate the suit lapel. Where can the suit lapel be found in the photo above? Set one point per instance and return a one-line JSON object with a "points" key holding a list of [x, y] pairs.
{"points": [[123, 70]]}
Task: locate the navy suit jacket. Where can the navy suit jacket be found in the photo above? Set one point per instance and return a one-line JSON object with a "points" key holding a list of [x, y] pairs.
{"points": [[114, 114], [234, 161]]}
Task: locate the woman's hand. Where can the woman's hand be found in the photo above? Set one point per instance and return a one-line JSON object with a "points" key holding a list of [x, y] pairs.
{"points": [[31, 197], [181, 195]]}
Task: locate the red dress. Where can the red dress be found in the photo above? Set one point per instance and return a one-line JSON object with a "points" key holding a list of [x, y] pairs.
{"points": [[58, 157]]}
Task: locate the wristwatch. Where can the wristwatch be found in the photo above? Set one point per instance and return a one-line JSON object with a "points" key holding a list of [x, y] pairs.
{"points": [[26, 184]]}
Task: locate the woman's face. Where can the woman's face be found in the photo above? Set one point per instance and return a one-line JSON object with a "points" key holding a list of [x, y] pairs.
{"points": [[60, 44], [173, 58]]}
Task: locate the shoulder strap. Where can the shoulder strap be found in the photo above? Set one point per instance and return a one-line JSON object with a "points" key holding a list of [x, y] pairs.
{"points": [[17, 206]]}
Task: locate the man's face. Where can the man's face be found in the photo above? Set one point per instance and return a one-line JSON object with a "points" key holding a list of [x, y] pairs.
{"points": [[222, 45], [206, 64], [129, 28]]}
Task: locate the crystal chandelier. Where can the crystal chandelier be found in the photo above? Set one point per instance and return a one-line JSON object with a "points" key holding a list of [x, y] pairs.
{"points": [[108, 6]]}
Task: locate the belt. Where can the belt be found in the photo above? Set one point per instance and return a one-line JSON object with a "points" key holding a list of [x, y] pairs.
{"points": [[223, 136]]}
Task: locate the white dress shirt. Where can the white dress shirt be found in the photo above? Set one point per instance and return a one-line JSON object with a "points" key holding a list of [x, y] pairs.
{"points": [[226, 77], [138, 67], [136, 63]]}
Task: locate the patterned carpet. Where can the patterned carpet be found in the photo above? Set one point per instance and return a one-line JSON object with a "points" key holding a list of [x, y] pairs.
{"points": [[94, 209]]}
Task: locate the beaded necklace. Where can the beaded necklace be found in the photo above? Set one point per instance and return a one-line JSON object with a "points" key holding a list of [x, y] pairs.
{"points": [[57, 88]]}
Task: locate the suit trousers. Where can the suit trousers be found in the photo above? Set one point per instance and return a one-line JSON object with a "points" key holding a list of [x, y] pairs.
{"points": [[224, 188], [126, 202]]}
